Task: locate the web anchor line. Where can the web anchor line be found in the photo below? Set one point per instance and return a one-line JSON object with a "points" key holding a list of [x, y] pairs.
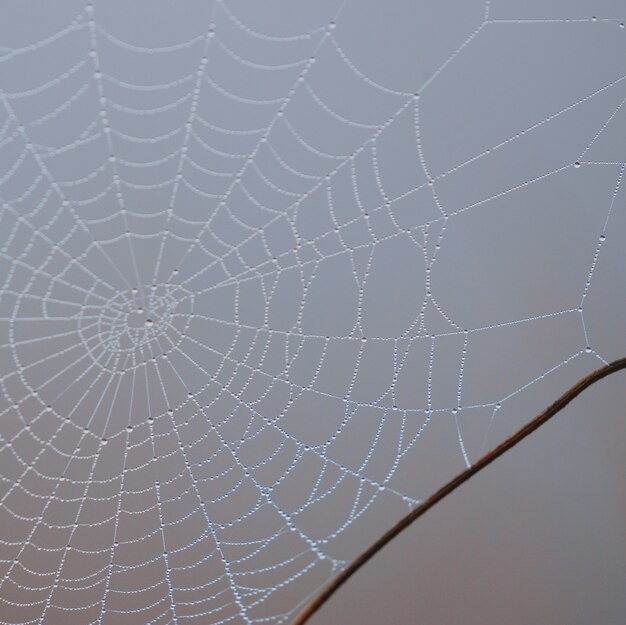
{"points": [[543, 417]]}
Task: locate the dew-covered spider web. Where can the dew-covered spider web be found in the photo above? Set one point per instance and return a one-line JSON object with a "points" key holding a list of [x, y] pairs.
{"points": [[272, 272]]}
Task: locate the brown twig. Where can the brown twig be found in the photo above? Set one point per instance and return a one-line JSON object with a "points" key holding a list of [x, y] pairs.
{"points": [[326, 593]]}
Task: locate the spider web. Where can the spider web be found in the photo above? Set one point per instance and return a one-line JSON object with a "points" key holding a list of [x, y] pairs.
{"points": [[252, 301]]}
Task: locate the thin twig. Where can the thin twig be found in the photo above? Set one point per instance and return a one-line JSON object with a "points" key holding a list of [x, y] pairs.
{"points": [[322, 597]]}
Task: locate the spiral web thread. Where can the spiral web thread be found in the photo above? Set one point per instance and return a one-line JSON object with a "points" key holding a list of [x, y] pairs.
{"points": [[178, 382]]}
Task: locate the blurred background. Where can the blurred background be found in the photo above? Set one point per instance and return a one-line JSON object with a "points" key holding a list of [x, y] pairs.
{"points": [[272, 273]]}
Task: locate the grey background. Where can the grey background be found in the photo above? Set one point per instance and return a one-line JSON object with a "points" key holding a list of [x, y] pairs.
{"points": [[273, 272]]}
